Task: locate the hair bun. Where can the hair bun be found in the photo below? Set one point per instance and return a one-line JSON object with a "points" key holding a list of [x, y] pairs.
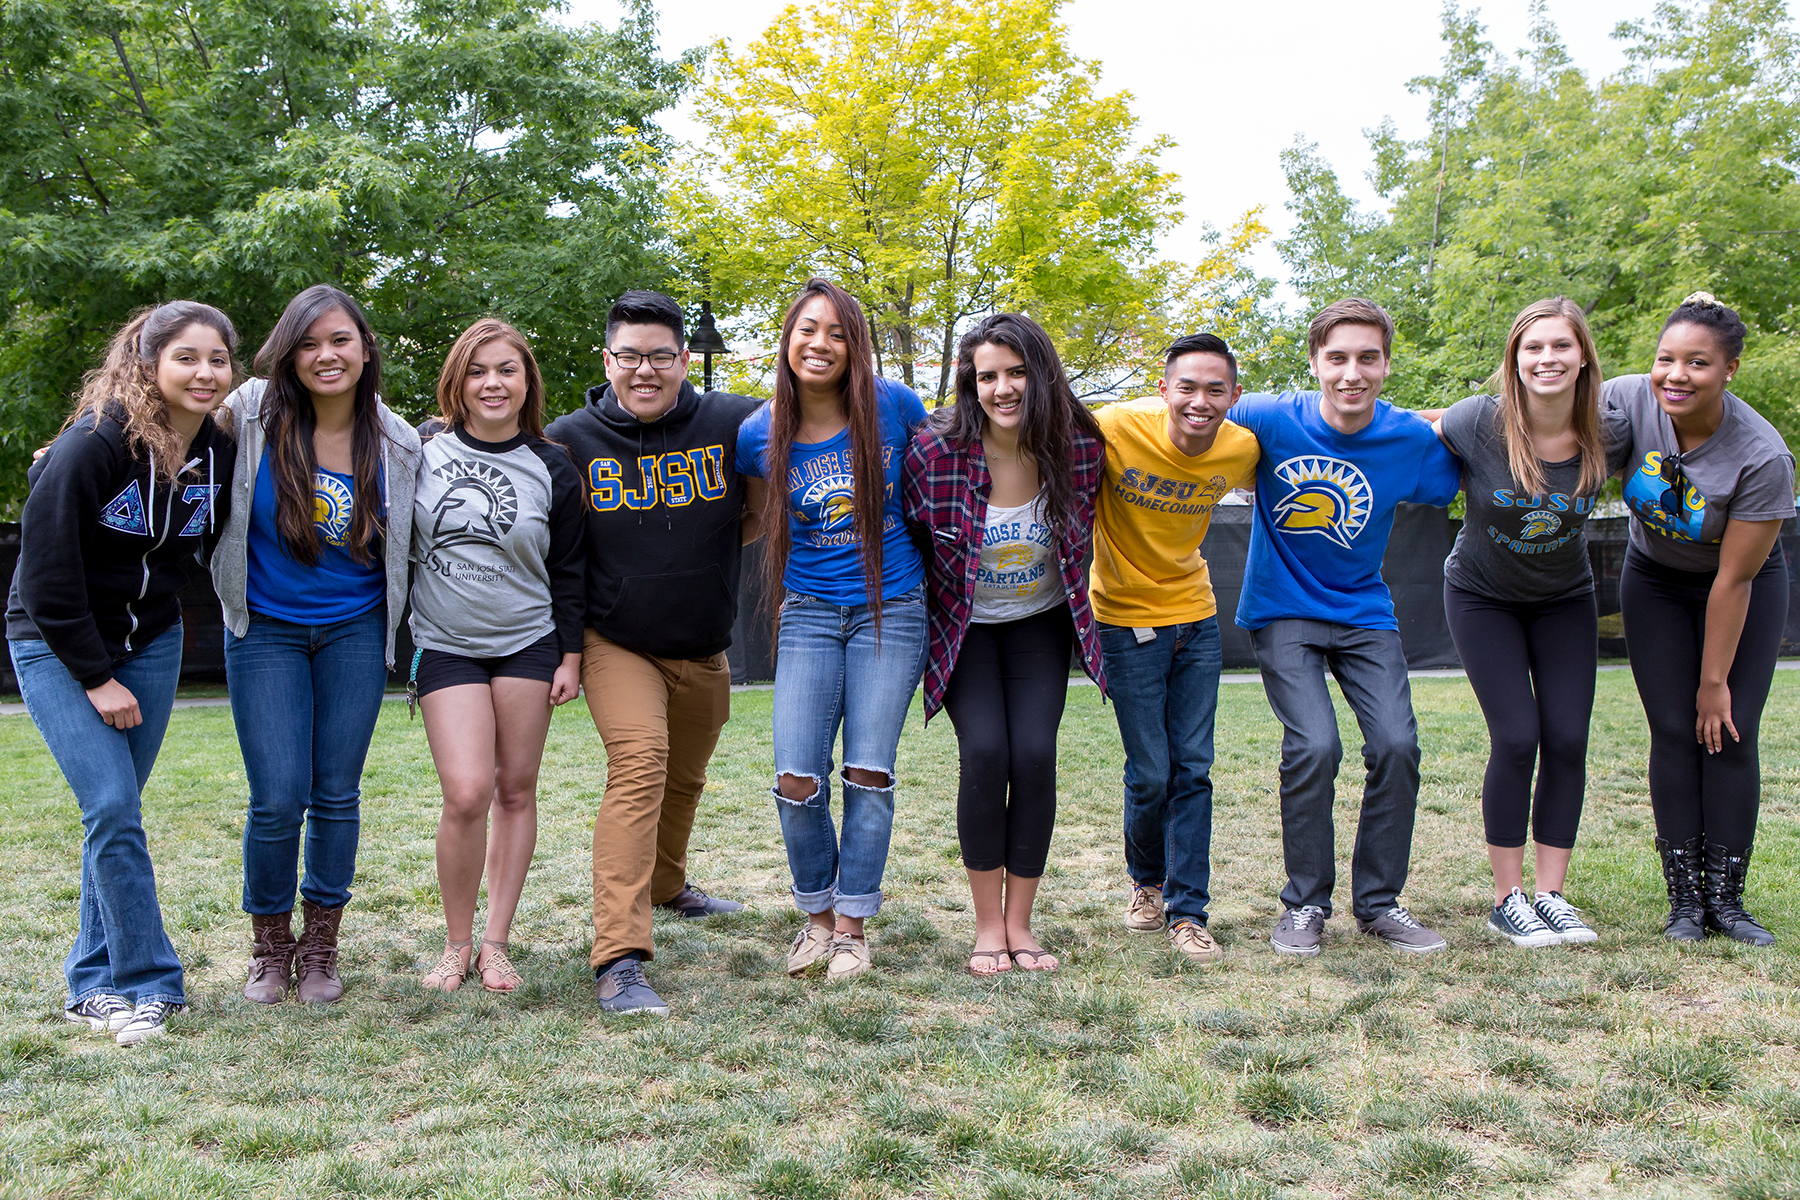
{"points": [[1702, 300]]}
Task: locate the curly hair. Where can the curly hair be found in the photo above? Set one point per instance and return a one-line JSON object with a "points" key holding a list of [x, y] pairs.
{"points": [[124, 384]]}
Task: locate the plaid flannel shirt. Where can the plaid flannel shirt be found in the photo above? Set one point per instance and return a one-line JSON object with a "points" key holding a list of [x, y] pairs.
{"points": [[944, 494]]}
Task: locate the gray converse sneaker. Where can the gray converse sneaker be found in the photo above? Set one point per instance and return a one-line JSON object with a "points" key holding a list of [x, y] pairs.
{"points": [[1299, 930], [621, 989], [693, 903], [147, 1021], [1401, 930], [1562, 917], [1515, 919], [103, 1012]]}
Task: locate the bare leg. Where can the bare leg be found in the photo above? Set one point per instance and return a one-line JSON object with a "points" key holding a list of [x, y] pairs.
{"points": [[1509, 869], [990, 921], [459, 724], [1020, 895], [1552, 867], [521, 722]]}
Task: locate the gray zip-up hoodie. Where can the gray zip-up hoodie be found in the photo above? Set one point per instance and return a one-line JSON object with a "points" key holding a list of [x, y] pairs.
{"points": [[231, 562]]}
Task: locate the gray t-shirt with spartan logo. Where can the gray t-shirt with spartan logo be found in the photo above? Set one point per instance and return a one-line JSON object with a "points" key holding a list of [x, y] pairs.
{"points": [[1744, 470], [1516, 546], [497, 548]]}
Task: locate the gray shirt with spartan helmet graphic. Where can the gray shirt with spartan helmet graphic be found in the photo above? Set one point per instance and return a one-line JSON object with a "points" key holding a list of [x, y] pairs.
{"points": [[1516, 546], [497, 547]]}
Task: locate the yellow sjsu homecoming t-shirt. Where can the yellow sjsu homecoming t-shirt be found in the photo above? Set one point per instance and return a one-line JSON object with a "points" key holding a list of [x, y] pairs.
{"points": [[1155, 504]]}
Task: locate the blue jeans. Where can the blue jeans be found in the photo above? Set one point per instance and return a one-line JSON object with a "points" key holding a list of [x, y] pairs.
{"points": [[121, 946], [305, 699], [816, 691], [1165, 693], [1370, 668]]}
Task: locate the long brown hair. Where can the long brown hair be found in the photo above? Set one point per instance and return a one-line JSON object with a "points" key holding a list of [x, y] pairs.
{"points": [[289, 420], [1585, 420], [861, 413], [126, 378], [451, 398], [1053, 417]]}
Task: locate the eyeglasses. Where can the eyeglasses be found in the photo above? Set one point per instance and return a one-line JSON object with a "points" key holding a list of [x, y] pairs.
{"points": [[1677, 485], [631, 360]]}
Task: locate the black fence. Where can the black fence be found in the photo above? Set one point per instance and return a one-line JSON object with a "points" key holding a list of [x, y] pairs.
{"points": [[1414, 569]]}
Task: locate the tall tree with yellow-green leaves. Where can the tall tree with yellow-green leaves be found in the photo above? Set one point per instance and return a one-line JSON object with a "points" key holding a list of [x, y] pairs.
{"points": [[941, 159]]}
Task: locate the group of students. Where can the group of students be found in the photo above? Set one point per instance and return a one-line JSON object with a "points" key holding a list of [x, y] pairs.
{"points": [[600, 555]]}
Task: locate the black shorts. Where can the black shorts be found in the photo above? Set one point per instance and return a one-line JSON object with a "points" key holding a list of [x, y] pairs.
{"points": [[439, 669]]}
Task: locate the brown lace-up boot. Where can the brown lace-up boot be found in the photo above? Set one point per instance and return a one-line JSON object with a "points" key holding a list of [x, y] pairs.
{"points": [[271, 957], [318, 955]]}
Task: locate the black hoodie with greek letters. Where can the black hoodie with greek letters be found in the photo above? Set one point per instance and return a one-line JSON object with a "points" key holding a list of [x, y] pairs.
{"points": [[101, 542], [664, 514]]}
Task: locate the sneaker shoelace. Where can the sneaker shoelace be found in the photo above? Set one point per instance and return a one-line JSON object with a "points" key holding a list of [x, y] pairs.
{"points": [[153, 1012], [1402, 917], [1558, 913], [103, 1005], [1307, 916], [1517, 909]]}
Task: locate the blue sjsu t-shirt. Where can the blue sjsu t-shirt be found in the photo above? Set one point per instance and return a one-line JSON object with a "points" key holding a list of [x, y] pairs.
{"points": [[338, 588], [823, 560], [1325, 506]]}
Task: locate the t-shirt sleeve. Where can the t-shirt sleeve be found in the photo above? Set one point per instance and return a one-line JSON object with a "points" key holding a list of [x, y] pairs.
{"points": [[752, 438], [1246, 475], [908, 409], [1460, 425], [566, 562], [1766, 492], [1440, 472], [1251, 410], [1615, 426]]}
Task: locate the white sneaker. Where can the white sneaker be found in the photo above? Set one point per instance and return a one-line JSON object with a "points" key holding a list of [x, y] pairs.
{"points": [[104, 1012], [147, 1021], [1516, 920], [1563, 917]]}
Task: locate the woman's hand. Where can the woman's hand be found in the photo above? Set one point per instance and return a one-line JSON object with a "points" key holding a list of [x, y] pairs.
{"points": [[1713, 706], [567, 681], [115, 704]]}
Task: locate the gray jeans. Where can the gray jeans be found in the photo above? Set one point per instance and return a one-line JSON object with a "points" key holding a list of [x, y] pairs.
{"points": [[1371, 669]]}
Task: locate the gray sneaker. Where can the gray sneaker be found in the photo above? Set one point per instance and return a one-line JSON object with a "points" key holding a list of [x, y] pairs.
{"points": [[1401, 930], [621, 989], [693, 903], [1299, 930]]}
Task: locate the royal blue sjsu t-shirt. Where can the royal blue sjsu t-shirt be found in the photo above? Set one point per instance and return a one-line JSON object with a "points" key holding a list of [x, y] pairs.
{"points": [[280, 586], [1325, 506], [823, 559]]}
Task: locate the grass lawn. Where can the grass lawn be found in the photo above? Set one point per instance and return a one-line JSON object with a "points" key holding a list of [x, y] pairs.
{"points": [[1628, 1068]]}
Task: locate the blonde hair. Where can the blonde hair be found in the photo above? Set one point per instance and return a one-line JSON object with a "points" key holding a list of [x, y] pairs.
{"points": [[126, 378], [1585, 420]]}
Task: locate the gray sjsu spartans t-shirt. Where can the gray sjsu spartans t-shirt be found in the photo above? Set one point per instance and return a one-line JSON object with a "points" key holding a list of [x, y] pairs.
{"points": [[1515, 546], [1744, 470]]}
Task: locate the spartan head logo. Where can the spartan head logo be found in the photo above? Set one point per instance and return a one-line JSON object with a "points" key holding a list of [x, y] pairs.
{"points": [[332, 503], [1328, 496], [1539, 523], [478, 505], [834, 499]]}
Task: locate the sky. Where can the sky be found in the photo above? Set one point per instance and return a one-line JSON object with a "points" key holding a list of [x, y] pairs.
{"points": [[1233, 83]]}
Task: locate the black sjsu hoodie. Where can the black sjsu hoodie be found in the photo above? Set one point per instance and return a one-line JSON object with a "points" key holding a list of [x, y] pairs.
{"points": [[664, 512], [101, 541]]}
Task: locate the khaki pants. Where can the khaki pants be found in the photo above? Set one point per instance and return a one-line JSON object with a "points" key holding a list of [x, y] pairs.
{"points": [[660, 719]]}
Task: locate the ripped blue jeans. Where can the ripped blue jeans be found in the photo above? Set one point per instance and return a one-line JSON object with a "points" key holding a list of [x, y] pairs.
{"points": [[831, 670]]}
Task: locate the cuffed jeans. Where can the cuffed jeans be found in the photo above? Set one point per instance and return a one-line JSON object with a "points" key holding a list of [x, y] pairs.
{"points": [[831, 669], [304, 699], [1165, 693], [660, 719], [121, 946], [1370, 667]]}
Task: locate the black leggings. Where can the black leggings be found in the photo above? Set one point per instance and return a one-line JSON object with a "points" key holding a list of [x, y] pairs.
{"points": [[1532, 669], [1005, 698], [1693, 793]]}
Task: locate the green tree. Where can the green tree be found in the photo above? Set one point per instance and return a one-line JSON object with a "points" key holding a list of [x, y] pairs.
{"points": [[1681, 172], [940, 160], [439, 159]]}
